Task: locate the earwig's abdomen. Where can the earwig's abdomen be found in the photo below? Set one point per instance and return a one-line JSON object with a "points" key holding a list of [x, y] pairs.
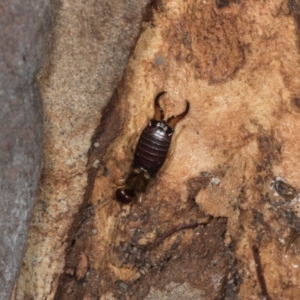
{"points": [[153, 147]]}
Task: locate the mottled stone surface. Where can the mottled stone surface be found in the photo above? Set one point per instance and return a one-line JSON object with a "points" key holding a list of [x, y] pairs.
{"points": [[235, 157], [89, 46], [23, 33], [238, 65]]}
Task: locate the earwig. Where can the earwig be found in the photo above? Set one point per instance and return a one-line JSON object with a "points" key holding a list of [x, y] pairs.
{"points": [[150, 154]]}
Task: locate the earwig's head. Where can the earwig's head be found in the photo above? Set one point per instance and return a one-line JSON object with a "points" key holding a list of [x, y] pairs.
{"points": [[125, 196]]}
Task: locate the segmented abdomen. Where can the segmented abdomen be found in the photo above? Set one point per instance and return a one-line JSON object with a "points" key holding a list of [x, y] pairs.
{"points": [[152, 150]]}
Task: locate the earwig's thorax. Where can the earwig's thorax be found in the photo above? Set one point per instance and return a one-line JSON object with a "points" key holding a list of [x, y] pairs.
{"points": [[161, 126]]}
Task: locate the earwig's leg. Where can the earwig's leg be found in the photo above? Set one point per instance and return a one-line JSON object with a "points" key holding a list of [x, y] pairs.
{"points": [[131, 145], [118, 216], [114, 232], [168, 159], [120, 182], [170, 153], [159, 113], [98, 205], [124, 166], [129, 150], [172, 121], [113, 236], [140, 198]]}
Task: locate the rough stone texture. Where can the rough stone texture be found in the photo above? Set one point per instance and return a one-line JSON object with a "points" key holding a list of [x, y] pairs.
{"points": [[23, 33], [238, 65], [89, 46], [235, 159]]}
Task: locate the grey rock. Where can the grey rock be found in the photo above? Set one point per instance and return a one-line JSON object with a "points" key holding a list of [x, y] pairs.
{"points": [[23, 31]]}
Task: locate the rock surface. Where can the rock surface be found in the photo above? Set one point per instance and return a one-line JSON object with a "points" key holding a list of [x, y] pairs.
{"points": [[89, 46], [235, 159], [24, 28]]}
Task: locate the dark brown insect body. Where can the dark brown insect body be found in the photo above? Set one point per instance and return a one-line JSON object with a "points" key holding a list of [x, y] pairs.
{"points": [[150, 154]]}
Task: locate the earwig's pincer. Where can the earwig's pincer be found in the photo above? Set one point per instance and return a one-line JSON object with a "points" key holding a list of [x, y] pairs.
{"points": [[150, 154]]}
